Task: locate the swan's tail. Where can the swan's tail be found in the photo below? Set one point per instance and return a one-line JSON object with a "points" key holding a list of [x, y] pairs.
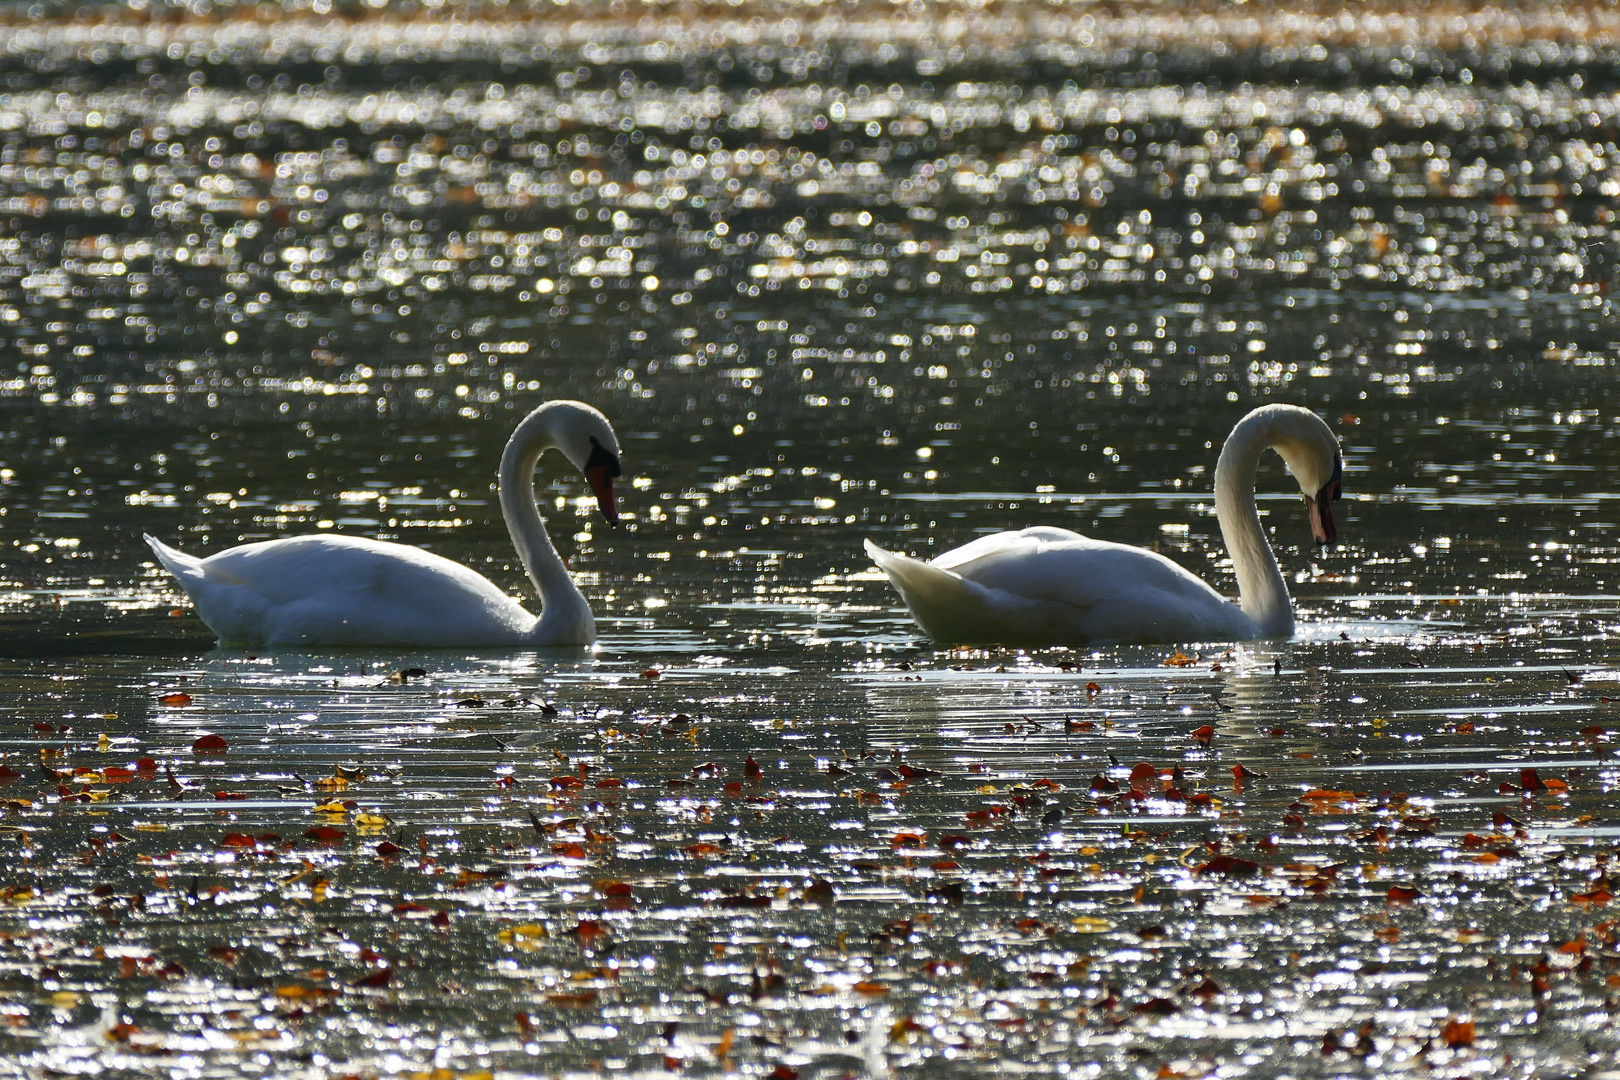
{"points": [[946, 606], [187, 569]]}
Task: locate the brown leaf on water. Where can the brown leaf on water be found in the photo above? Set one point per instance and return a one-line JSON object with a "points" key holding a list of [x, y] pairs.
{"points": [[1179, 659], [175, 699], [209, 744], [1403, 894], [1230, 866]]}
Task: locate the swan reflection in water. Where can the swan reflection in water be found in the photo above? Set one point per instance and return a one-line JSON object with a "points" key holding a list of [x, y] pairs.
{"points": [[1047, 586], [342, 590]]}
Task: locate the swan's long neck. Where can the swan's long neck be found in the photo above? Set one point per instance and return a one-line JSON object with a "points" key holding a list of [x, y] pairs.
{"points": [[561, 603], [1262, 593]]}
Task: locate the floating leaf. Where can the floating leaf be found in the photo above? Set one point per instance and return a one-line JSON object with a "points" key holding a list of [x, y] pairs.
{"points": [[209, 744]]}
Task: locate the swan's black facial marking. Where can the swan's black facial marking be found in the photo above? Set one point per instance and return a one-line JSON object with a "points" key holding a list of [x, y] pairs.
{"points": [[600, 469], [1320, 507]]}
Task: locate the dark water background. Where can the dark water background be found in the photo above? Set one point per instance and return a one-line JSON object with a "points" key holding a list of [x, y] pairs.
{"points": [[835, 273]]}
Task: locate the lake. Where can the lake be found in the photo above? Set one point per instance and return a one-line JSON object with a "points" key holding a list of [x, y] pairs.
{"points": [[904, 273]]}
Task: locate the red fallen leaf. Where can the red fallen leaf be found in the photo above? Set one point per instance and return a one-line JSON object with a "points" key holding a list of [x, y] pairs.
{"points": [[1572, 948], [237, 839], [1143, 774], [1208, 988], [229, 796], [1156, 1007], [569, 851], [701, 850], [955, 840], [209, 744], [389, 850], [504, 781], [45, 729], [610, 782], [589, 928], [1093, 688], [8, 774], [612, 887], [1401, 894], [440, 919], [1529, 780], [324, 834], [651, 673], [1458, 1033], [146, 767], [1081, 725], [751, 768], [909, 839], [784, 1072], [376, 978], [1203, 734], [733, 788], [117, 774], [1230, 866], [175, 699], [946, 864], [566, 782], [1596, 897], [1200, 798], [1596, 731]]}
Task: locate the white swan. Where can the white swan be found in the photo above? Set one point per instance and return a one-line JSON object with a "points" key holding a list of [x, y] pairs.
{"points": [[339, 590], [1046, 586]]}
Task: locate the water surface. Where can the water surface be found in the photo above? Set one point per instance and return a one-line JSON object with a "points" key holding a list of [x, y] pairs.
{"points": [[833, 276]]}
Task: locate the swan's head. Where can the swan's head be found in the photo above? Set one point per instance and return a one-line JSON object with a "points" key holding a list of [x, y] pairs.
{"points": [[1311, 452], [586, 439]]}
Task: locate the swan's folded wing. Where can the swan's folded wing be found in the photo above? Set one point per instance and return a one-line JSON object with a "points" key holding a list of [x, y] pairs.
{"points": [[1003, 545], [1053, 564], [298, 568]]}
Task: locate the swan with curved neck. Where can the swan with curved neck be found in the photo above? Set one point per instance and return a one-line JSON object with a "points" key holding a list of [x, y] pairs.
{"points": [[1046, 586], [342, 590]]}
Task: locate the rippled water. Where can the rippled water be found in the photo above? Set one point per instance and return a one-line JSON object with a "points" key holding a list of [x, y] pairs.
{"points": [[911, 275]]}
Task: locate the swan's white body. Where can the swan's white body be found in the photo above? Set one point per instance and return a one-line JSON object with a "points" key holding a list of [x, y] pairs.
{"points": [[341, 590], [1048, 586]]}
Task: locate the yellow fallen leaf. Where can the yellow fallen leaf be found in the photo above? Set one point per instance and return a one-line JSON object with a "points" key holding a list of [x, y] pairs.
{"points": [[331, 783], [1086, 924], [365, 819], [526, 937], [333, 807]]}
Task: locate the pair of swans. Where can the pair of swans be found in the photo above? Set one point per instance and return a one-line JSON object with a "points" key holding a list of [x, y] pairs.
{"points": [[1040, 586]]}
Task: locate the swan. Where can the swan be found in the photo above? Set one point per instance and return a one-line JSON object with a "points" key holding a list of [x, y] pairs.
{"points": [[1047, 586], [342, 590]]}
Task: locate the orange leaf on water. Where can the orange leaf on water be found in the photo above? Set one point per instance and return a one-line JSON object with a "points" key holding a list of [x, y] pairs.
{"points": [[175, 699], [1458, 1033]]}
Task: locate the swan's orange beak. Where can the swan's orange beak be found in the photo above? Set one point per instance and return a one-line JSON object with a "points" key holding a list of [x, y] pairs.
{"points": [[1320, 509], [600, 469], [601, 479]]}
